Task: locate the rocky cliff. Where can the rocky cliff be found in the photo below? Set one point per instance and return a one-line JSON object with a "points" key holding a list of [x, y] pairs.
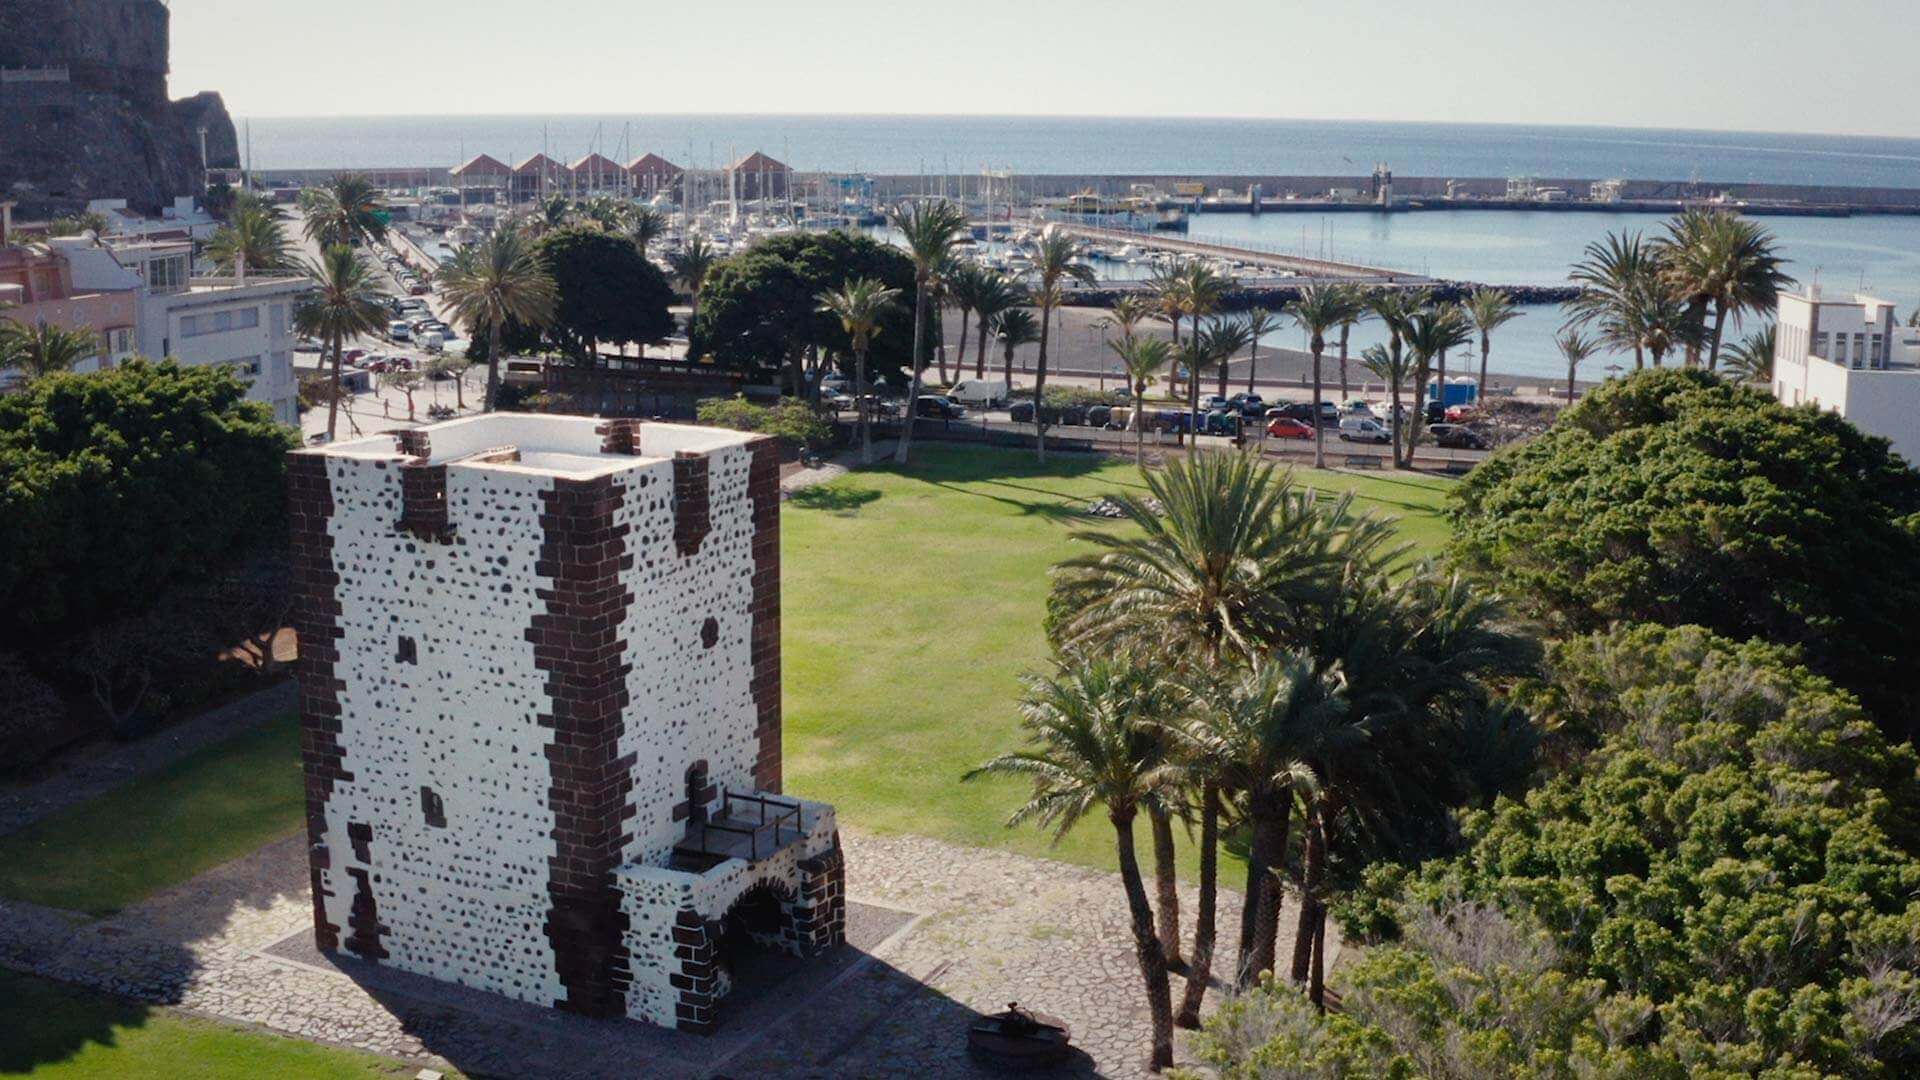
{"points": [[84, 112]]}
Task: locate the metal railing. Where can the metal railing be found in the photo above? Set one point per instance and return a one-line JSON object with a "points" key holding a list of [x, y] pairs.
{"points": [[785, 815]]}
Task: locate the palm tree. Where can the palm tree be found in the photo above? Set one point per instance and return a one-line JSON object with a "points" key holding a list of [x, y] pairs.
{"points": [[552, 213], [1429, 334], [646, 226], [1392, 367], [344, 210], [1751, 358], [860, 305], [1574, 347], [1714, 259], [1127, 314], [997, 294], [253, 238], [1260, 323], [1258, 736], [938, 301], [1091, 749], [346, 302], [691, 265], [929, 231], [1056, 262], [1617, 278], [1199, 295], [1225, 338], [1490, 309], [964, 280], [1318, 310], [498, 280], [1357, 309], [1396, 308], [1016, 327], [41, 349], [1168, 286], [1142, 358]]}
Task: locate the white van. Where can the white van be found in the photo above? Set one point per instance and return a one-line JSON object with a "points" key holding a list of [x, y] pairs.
{"points": [[433, 341], [1363, 429], [979, 392]]}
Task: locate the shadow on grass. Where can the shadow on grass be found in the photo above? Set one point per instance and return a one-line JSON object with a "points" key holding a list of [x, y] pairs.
{"points": [[42, 1022], [833, 498]]}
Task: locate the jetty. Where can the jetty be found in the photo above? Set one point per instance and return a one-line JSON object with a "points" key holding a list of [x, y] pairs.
{"points": [[1300, 269]]}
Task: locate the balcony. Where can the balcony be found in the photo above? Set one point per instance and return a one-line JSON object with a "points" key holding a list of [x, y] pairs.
{"points": [[749, 827]]}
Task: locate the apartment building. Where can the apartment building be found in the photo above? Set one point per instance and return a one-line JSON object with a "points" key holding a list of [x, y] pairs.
{"points": [[1848, 356]]}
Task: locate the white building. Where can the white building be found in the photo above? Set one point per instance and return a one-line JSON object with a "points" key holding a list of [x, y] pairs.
{"points": [[1849, 357], [244, 323], [540, 692]]}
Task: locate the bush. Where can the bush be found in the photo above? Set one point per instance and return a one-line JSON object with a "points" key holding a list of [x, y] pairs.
{"points": [[31, 713], [117, 486], [792, 420], [1675, 498], [1724, 878]]}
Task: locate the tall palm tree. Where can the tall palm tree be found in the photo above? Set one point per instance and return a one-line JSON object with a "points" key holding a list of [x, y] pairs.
{"points": [[498, 280], [1392, 367], [1127, 314], [1225, 338], [1720, 260], [1617, 278], [1357, 310], [1167, 285], [963, 284], [1653, 323], [691, 265], [860, 305], [1260, 323], [997, 294], [1490, 309], [252, 237], [929, 230], [40, 349], [1091, 750], [1015, 327], [1429, 334], [344, 210], [1199, 295], [1318, 310], [1751, 358], [1056, 261], [346, 302], [1574, 347], [646, 226], [1259, 736], [939, 300], [1142, 358]]}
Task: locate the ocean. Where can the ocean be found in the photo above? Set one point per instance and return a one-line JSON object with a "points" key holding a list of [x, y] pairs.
{"points": [[1155, 146], [1878, 254]]}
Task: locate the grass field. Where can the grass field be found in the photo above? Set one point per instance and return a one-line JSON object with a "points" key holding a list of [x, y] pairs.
{"points": [[912, 602], [57, 1032], [213, 806]]}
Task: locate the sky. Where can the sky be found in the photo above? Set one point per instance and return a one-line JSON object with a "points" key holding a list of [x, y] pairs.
{"points": [[1839, 67]]}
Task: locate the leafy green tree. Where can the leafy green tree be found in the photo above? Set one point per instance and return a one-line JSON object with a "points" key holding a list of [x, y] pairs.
{"points": [[1672, 497], [498, 282], [1092, 749], [604, 292], [123, 482]]}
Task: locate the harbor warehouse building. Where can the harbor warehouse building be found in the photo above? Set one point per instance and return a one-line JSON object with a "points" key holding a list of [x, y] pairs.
{"points": [[540, 698]]}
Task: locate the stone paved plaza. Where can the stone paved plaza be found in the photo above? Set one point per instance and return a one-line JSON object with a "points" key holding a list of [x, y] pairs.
{"points": [[965, 930]]}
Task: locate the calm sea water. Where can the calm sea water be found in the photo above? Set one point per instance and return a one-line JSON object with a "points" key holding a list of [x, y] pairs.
{"points": [[907, 144]]}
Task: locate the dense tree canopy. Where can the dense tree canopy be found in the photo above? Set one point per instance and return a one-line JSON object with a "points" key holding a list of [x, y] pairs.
{"points": [[1724, 884], [117, 484], [1674, 497], [760, 309], [607, 292]]}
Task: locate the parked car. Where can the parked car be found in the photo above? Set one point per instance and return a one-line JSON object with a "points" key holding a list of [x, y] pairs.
{"points": [[399, 331], [1285, 427], [1458, 437], [1363, 429], [1357, 407], [1223, 421], [1249, 404], [1212, 402], [1099, 415], [984, 393], [938, 407]]}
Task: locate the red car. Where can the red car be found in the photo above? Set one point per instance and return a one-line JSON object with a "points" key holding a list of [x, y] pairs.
{"points": [[1288, 428]]}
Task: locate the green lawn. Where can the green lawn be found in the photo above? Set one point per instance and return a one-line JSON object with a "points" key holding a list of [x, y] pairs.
{"points": [[162, 829], [912, 601], [55, 1032]]}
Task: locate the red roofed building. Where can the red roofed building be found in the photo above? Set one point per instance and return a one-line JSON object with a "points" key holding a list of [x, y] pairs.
{"points": [[653, 174], [596, 174], [758, 176], [538, 177], [482, 173]]}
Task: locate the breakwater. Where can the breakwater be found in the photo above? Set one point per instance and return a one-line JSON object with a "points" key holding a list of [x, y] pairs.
{"points": [[1275, 296]]}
